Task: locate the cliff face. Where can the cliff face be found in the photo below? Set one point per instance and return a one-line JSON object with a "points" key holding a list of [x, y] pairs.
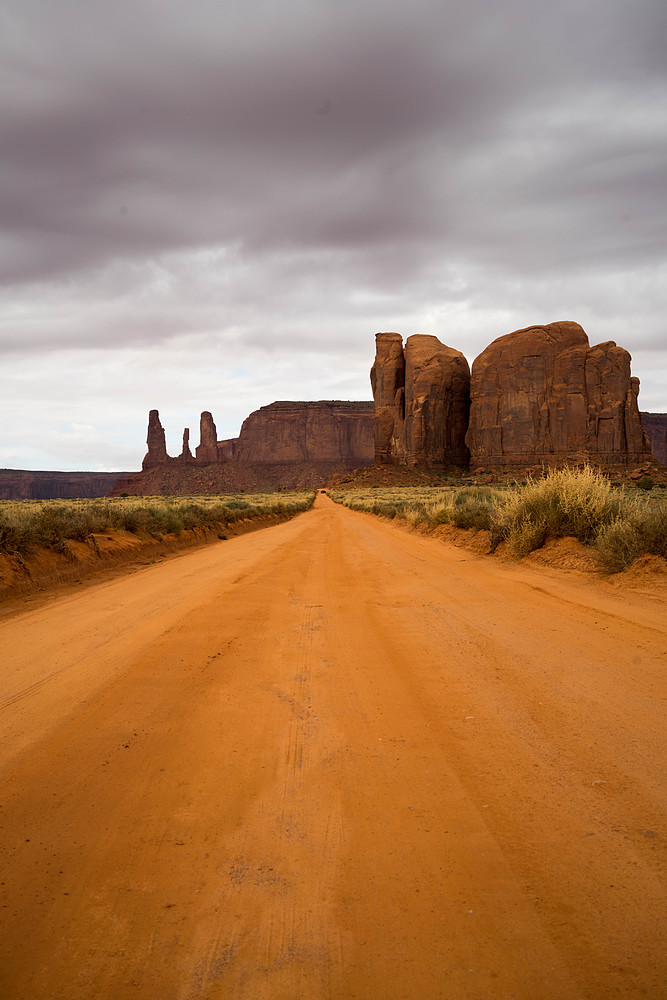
{"points": [[328, 431], [543, 394], [388, 385], [422, 398], [324, 431], [19, 484], [655, 425]]}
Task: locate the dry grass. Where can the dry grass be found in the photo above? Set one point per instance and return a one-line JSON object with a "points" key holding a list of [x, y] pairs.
{"points": [[573, 502], [619, 524], [26, 524]]}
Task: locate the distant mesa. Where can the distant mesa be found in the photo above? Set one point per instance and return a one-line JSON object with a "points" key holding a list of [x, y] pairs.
{"points": [[655, 426], [23, 484]]}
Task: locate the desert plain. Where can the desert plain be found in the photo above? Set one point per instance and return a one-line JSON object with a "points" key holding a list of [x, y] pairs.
{"points": [[335, 759]]}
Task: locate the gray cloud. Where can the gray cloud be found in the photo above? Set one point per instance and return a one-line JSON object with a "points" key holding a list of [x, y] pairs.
{"points": [[278, 183]]}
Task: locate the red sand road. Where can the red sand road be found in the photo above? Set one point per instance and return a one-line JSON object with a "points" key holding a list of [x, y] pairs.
{"points": [[334, 759]]}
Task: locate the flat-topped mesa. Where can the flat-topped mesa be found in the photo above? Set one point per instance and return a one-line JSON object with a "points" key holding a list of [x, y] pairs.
{"points": [[157, 446], [542, 394], [331, 431], [422, 399]]}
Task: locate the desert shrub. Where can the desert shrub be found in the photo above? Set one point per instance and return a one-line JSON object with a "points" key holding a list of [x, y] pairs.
{"points": [[55, 523], [238, 504], [130, 518], [26, 524], [12, 533], [645, 483], [642, 530], [440, 511], [578, 502], [473, 508], [468, 507], [415, 513]]}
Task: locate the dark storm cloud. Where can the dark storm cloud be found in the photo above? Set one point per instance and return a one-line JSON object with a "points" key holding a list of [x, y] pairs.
{"points": [[129, 130], [220, 181]]}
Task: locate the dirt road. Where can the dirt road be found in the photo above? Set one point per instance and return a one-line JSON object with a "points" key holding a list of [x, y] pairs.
{"points": [[334, 760]]}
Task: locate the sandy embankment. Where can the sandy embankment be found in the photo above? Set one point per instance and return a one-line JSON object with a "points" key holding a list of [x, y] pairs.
{"points": [[107, 553], [334, 759]]}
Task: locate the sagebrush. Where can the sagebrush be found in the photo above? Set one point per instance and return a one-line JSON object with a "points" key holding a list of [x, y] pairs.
{"points": [[617, 524], [25, 524]]}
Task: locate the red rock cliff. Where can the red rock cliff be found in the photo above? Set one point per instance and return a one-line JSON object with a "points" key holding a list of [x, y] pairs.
{"points": [[207, 451], [543, 394], [155, 439], [388, 385], [328, 431], [323, 431], [422, 399]]}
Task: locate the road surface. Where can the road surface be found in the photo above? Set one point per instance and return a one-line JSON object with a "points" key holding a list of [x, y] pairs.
{"points": [[333, 759]]}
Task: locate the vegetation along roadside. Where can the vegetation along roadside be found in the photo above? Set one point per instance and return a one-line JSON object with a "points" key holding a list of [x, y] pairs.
{"points": [[617, 524], [25, 524]]}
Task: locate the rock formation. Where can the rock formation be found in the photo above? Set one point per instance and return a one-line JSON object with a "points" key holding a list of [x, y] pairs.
{"points": [[388, 385], [323, 431], [328, 431], [186, 455], [422, 399], [538, 395], [157, 446], [207, 450], [655, 425], [542, 394]]}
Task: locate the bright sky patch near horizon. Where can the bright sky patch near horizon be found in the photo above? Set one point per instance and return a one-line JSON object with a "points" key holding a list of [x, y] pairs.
{"points": [[216, 205]]}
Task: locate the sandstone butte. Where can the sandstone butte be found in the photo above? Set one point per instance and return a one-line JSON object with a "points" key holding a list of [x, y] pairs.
{"points": [[543, 392], [422, 400], [538, 395]]}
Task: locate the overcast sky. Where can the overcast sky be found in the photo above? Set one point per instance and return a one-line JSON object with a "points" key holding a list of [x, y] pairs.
{"points": [[213, 205]]}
